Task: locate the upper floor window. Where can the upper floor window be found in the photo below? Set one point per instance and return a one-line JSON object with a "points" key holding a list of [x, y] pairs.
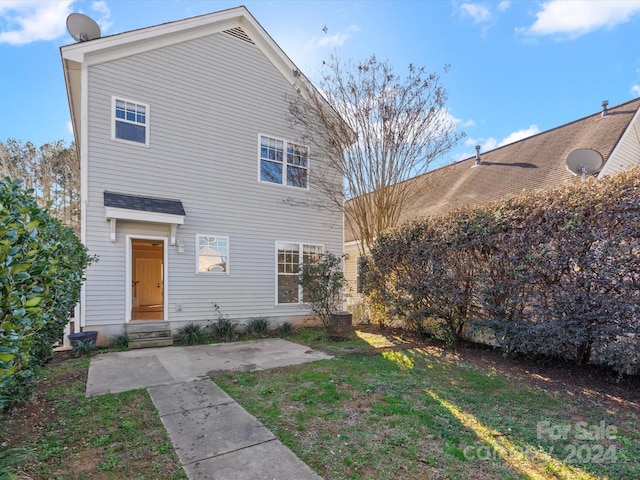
{"points": [[213, 254], [130, 121], [283, 162]]}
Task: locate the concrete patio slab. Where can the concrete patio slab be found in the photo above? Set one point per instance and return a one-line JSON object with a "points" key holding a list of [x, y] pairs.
{"points": [[123, 371], [214, 437]]}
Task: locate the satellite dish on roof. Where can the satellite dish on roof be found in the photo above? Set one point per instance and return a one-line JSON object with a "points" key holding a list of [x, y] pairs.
{"points": [[82, 28], [584, 161]]}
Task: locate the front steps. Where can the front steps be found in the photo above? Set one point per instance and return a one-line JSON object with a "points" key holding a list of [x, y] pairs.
{"points": [[146, 334]]}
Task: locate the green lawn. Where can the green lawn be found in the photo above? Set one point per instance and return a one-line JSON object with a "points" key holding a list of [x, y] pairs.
{"points": [[416, 413], [66, 435], [380, 409]]}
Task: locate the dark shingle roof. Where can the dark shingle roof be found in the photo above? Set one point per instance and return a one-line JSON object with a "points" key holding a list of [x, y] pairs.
{"points": [[534, 163], [146, 204]]}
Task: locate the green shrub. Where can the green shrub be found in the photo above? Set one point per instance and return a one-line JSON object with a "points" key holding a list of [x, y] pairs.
{"points": [[284, 329], [193, 333], [323, 285], [550, 273], [224, 329], [42, 264], [121, 341], [258, 326], [83, 348]]}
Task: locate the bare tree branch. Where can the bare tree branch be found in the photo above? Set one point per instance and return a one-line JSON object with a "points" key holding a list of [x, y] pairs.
{"points": [[378, 130]]}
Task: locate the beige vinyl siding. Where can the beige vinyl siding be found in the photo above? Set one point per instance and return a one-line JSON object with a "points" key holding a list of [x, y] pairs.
{"points": [[627, 152], [350, 272], [209, 100]]}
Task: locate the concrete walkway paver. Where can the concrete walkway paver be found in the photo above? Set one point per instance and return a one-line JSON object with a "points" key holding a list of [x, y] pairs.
{"points": [[214, 437]]}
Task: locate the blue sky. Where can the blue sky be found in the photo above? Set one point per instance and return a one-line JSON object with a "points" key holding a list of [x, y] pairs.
{"points": [[517, 67]]}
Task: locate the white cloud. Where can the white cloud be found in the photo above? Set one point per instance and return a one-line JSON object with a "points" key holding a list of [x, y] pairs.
{"points": [[519, 135], [636, 90], [104, 20], [23, 22], [479, 13], [335, 40], [69, 126], [504, 5], [491, 143], [574, 18]]}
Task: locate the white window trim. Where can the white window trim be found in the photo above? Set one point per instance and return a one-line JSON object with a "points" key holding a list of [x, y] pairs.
{"points": [[284, 162], [113, 121], [165, 260], [301, 254], [198, 272]]}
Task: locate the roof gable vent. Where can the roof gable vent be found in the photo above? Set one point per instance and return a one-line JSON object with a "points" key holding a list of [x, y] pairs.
{"points": [[240, 34]]}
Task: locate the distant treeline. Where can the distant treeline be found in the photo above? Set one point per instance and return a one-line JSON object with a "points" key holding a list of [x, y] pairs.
{"points": [[52, 170]]}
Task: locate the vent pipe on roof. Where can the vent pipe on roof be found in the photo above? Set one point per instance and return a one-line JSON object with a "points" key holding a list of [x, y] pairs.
{"points": [[478, 159], [605, 111]]}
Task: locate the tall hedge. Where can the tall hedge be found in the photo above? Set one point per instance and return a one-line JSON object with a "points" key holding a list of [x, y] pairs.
{"points": [[554, 272], [42, 264]]}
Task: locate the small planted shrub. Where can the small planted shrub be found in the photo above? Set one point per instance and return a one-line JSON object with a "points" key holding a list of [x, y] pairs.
{"points": [[121, 341], [224, 329], [82, 348], [191, 334], [258, 326], [285, 329]]}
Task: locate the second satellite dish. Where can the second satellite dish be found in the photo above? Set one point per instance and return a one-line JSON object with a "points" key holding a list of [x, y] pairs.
{"points": [[584, 161], [82, 28]]}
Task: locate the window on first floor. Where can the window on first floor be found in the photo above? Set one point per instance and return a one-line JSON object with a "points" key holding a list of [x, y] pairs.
{"points": [[290, 258], [130, 121], [213, 254], [283, 162]]}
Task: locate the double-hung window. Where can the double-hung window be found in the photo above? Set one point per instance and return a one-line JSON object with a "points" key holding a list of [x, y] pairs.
{"points": [[130, 121], [290, 258], [283, 162], [213, 254]]}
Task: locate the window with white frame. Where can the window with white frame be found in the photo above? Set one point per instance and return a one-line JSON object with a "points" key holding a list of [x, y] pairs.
{"points": [[283, 162], [213, 254], [290, 258], [130, 121]]}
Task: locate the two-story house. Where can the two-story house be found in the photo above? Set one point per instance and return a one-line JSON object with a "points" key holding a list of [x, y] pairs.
{"points": [[187, 157]]}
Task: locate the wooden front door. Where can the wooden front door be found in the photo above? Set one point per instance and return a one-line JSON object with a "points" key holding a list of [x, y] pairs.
{"points": [[147, 274]]}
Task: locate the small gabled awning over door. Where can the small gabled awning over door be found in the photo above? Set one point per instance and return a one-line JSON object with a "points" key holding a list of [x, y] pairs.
{"points": [[122, 206]]}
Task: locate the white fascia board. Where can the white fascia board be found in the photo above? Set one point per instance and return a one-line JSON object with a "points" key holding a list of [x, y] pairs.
{"points": [[142, 216], [149, 38]]}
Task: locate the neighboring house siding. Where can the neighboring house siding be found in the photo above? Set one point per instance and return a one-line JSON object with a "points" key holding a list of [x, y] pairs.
{"points": [[350, 272], [209, 99], [627, 152]]}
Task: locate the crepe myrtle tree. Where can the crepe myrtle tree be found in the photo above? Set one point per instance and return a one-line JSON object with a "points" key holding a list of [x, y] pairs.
{"points": [[377, 129]]}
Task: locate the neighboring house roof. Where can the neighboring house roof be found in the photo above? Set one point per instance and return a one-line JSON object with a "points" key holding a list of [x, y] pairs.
{"points": [[236, 22], [145, 204], [534, 163]]}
